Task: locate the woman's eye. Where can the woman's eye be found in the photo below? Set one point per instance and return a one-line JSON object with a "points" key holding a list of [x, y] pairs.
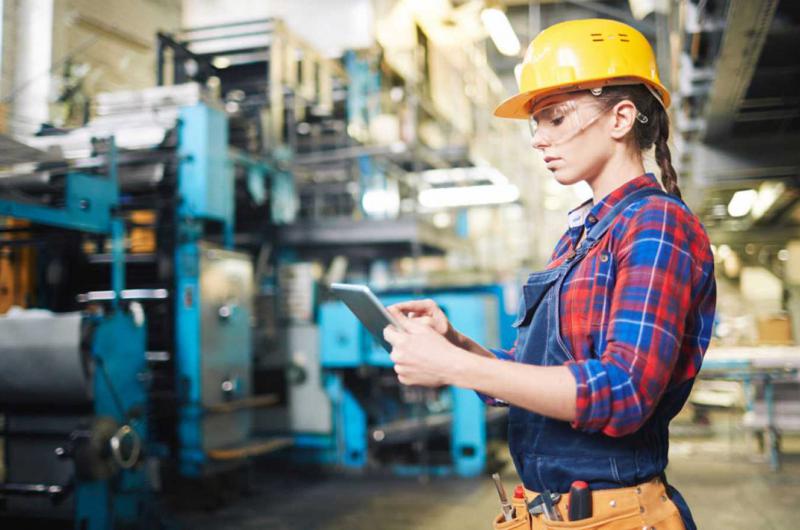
{"points": [[557, 120]]}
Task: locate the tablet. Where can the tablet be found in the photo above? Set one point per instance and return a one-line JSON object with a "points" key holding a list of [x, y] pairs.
{"points": [[366, 306]]}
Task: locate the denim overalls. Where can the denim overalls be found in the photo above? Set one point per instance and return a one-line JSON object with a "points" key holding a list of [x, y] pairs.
{"points": [[549, 453]]}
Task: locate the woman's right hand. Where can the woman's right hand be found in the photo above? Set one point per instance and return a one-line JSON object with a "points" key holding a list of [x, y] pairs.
{"points": [[429, 313]]}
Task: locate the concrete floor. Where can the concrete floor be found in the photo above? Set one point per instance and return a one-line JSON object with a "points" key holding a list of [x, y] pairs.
{"points": [[727, 485]]}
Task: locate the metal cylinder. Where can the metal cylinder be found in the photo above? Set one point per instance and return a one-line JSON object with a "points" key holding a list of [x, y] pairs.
{"points": [[44, 359]]}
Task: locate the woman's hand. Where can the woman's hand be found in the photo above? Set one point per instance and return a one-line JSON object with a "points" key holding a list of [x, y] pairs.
{"points": [[429, 313], [421, 354]]}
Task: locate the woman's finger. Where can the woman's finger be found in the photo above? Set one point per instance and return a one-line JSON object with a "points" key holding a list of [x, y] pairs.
{"points": [[425, 321], [415, 306], [398, 314], [391, 334]]}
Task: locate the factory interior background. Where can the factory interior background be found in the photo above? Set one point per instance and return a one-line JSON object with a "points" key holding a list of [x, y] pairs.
{"points": [[182, 180]]}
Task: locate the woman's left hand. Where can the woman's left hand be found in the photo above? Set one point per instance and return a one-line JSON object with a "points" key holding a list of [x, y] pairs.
{"points": [[422, 356]]}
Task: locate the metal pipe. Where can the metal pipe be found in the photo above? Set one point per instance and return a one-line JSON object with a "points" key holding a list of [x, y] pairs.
{"points": [[407, 430], [32, 490]]}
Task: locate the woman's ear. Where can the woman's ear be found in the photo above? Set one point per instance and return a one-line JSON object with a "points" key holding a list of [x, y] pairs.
{"points": [[623, 116]]}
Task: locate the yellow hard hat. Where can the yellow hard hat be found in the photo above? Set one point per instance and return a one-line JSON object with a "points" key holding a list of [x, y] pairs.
{"points": [[580, 55]]}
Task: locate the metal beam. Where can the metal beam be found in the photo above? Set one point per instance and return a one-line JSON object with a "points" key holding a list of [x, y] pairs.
{"points": [[764, 236], [767, 115], [747, 26], [745, 158]]}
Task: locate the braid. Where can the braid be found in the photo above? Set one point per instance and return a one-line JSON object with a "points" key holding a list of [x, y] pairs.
{"points": [[654, 132], [663, 156]]}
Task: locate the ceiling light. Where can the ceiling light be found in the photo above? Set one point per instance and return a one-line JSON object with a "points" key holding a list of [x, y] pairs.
{"points": [[441, 220], [381, 203], [454, 197], [457, 175], [221, 62], [641, 8], [741, 202], [768, 193], [500, 30]]}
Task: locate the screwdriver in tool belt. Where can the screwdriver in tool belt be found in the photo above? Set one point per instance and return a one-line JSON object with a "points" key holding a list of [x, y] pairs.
{"points": [[580, 501], [508, 510]]}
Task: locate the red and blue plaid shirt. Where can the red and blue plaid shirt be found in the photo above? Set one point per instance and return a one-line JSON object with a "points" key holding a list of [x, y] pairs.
{"points": [[637, 311]]}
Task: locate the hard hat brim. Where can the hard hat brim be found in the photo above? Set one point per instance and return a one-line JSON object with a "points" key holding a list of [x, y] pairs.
{"points": [[516, 107], [519, 106]]}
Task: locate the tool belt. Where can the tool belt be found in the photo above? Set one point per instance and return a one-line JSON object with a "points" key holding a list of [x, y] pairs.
{"points": [[639, 507]]}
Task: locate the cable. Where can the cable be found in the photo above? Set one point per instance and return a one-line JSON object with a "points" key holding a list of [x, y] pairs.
{"points": [[80, 48]]}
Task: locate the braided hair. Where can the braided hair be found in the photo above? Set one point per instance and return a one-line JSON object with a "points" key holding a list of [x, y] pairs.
{"points": [[651, 130]]}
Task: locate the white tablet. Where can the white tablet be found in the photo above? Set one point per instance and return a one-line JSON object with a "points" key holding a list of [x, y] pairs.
{"points": [[366, 306]]}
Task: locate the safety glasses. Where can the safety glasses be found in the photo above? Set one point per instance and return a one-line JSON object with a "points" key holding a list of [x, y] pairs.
{"points": [[560, 122]]}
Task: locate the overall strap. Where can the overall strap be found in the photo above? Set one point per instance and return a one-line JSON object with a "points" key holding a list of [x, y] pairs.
{"points": [[598, 230]]}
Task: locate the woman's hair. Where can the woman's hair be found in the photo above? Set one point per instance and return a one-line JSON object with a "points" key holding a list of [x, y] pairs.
{"points": [[655, 130]]}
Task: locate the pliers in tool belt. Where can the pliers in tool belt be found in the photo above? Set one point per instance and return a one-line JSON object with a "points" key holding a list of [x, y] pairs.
{"points": [[536, 506]]}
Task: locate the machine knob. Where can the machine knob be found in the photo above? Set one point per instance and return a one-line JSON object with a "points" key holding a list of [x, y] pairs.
{"points": [[229, 387], [296, 374], [225, 312], [126, 446]]}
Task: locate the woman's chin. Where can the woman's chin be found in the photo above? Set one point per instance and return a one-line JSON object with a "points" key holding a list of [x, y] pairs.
{"points": [[563, 177]]}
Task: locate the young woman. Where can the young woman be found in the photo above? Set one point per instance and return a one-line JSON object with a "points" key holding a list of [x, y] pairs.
{"points": [[612, 334]]}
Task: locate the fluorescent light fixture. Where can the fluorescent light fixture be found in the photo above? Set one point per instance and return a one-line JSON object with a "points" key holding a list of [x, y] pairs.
{"points": [[501, 32], [381, 203], [457, 175], [460, 196], [741, 202], [768, 193]]}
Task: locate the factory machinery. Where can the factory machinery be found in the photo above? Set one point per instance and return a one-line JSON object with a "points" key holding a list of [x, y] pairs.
{"points": [[72, 393], [338, 397], [158, 357], [158, 367], [347, 407]]}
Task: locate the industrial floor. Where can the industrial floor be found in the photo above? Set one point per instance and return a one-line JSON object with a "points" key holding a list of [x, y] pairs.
{"points": [[724, 480]]}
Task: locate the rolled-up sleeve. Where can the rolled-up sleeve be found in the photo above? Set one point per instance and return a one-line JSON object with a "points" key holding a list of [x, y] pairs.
{"points": [[617, 392]]}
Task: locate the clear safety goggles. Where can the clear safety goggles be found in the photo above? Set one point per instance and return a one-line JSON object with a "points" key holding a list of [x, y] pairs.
{"points": [[560, 122]]}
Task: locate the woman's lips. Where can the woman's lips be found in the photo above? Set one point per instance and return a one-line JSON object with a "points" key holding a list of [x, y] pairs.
{"points": [[549, 160]]}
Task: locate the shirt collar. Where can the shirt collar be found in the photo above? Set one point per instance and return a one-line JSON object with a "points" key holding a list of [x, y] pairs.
{"points": [[588, 213]]}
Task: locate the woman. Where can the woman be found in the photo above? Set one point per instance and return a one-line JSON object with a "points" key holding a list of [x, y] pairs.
{"points": [[612, 334]]}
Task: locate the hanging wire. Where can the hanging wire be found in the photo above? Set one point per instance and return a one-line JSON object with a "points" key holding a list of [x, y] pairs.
{"points": [[86, 44], [13, 117]]}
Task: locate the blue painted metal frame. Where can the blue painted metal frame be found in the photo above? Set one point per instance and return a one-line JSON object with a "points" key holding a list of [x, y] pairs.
{"points": [[363, 101], [206, 193], [205, 178], [119, 351], [90, 201], [281, 185]]}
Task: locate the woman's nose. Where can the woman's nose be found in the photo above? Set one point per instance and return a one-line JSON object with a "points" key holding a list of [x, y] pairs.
{"points": [[539, 140]]}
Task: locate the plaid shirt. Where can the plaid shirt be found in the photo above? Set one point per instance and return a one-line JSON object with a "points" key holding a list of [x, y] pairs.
{"points": [[636, 312]]}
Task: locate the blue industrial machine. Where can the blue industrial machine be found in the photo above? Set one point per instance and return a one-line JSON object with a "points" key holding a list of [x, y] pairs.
{"points": [[360, 415], [195, 394], [72, 387], [213, 302]]}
